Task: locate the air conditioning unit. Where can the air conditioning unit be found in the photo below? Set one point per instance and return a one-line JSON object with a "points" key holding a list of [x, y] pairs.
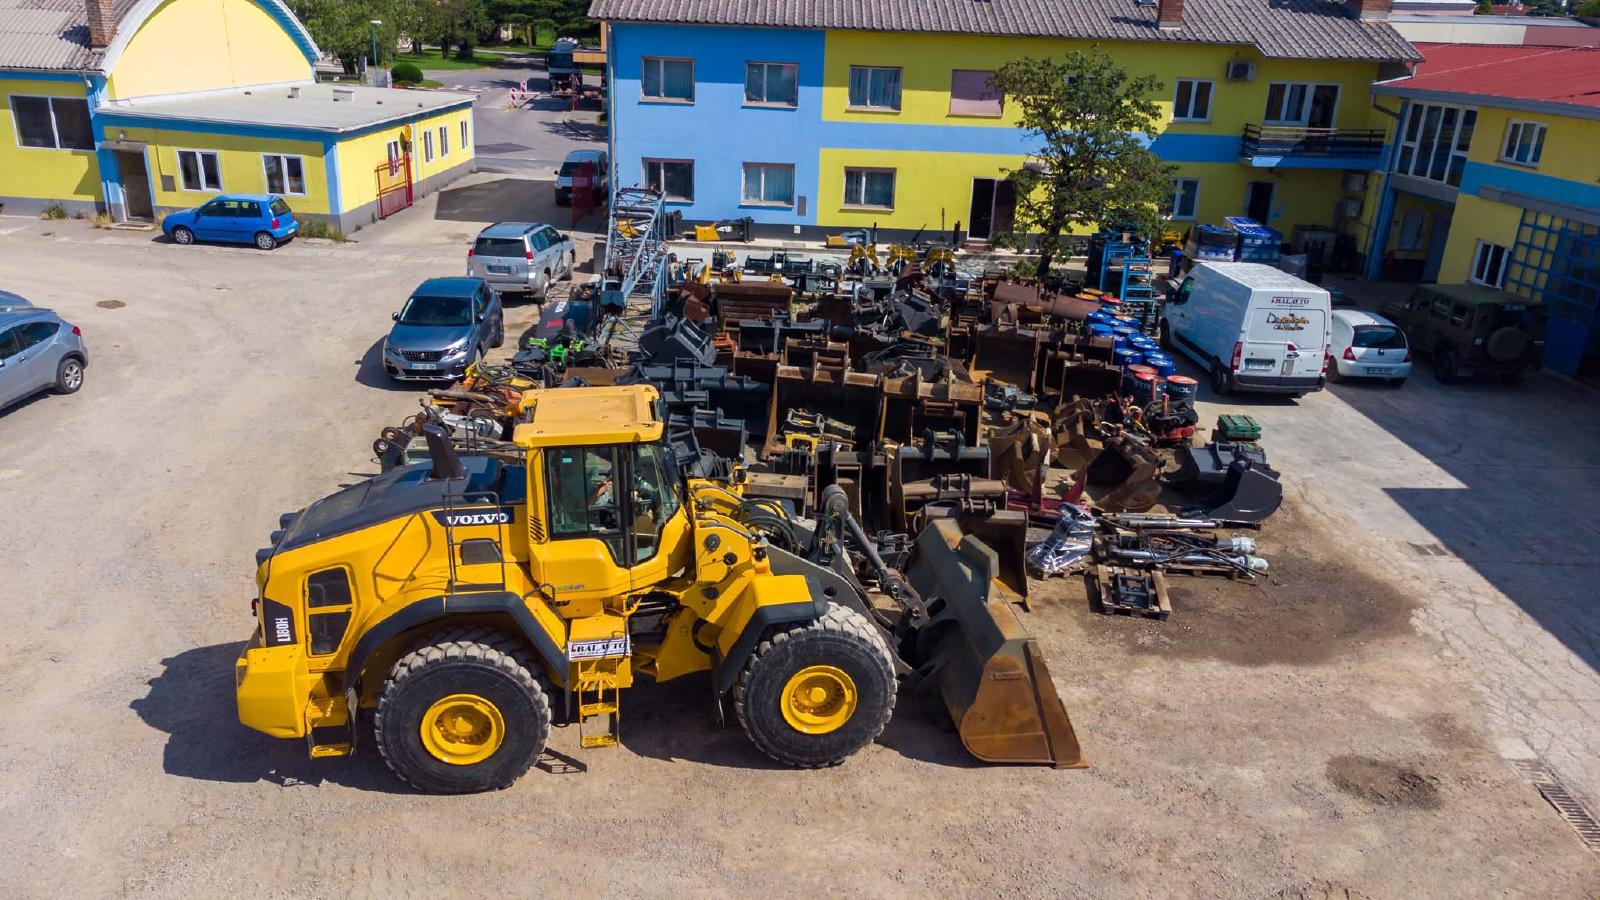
{"points": [[1239, 70], [1350, 208], [1355, 182]]}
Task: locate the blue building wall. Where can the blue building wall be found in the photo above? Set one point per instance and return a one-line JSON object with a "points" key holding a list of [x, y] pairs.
{"points": [[718, 131]]}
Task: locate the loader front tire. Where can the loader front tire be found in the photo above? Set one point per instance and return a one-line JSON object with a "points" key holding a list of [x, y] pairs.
{"points": [[814, 693], [463, 712]]}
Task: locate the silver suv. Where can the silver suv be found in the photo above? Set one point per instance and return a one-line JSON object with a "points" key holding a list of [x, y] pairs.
{"points": [[38, 351], [522, 258]]}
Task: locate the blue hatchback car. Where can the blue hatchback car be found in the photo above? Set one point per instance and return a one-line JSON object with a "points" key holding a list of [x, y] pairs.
{"points": [[260, 219]]}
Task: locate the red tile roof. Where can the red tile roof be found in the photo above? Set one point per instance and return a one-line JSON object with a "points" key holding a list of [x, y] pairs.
{"points": [[1569, 75]]}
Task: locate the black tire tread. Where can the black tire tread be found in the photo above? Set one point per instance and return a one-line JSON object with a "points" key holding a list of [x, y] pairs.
{"points": [[479, 642], [838, 620]]}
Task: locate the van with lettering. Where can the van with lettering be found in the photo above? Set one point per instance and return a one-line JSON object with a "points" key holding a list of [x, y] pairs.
{"points": [[1252, 327]]}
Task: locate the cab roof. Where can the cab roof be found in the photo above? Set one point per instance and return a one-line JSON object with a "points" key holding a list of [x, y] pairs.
{"points": [[564, 417]]}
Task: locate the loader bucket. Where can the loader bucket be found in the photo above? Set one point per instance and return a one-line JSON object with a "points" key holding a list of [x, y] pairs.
{"points": [[1126, 475], [990, 674], [1249, 493]]}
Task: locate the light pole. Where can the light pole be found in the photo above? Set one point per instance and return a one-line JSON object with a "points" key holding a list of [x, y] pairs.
{"points": [[372, 28]]}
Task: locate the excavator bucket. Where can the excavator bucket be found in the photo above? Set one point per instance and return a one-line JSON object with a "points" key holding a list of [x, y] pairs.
{"points": [[1126, 475], [991, 675]]}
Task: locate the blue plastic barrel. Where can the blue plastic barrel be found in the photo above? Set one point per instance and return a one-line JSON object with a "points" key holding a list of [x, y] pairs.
{"points": [[1144, 344], [1127, 356], [1163, 363], [1099, 329]]}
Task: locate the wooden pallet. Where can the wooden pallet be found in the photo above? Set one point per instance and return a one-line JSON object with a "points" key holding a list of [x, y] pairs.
{"points": [[1155, 605]]}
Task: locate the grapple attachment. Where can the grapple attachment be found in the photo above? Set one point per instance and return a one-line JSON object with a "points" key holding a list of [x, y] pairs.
{"points": [[991, 675]]}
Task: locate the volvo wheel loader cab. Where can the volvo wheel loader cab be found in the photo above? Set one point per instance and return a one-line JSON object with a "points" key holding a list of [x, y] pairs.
{"points": [[464, 604]]}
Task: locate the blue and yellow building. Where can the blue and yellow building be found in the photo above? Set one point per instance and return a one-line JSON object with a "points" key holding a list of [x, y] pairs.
{"points": [[812, 116], [1495, 179], [135, 107]]}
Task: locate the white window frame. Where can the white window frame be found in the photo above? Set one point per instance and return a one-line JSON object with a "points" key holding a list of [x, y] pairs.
{"points": [[765, 65], [1405, 141], [1303, 115], [744, 176], [444, 141], [660, 62], [1508, 145], [200, 168], [1194, 86], [649, 161], [283, 162], [464, 142], [55, 129], [899, 97], [1484, 258], [427, 145], [894, 184], [1178, 193]]}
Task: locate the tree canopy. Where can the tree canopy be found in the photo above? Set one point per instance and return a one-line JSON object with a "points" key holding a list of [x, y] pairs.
{"points": [[1094, 167]]}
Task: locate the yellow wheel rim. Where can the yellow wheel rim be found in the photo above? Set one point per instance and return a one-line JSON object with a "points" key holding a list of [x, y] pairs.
{"points": [[462, 729], [819, 699]]}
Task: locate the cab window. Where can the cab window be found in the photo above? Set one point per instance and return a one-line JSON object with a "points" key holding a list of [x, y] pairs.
{"points": [[582, 496], [654, 499], [328, 601], [1461, 316]]}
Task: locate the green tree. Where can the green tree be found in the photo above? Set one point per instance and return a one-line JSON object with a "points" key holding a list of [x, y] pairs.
{"points": [[342, 27], [1095, 166], [1589, 9], [1547, 8], [1485, 8]]}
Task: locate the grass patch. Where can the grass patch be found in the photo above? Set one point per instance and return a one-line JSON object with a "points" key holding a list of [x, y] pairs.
{"points": [[54, 211], [101, 220], [424, 83], [316, 228], [430, 59]]}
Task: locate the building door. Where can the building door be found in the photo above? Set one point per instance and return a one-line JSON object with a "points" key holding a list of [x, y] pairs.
{"points": [[135, 185], [994, 207], [1258, 200], [1436, 242]]}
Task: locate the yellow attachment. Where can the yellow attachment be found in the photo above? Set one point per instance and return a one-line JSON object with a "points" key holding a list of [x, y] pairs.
{"points": [[706, 233], [819, 699], [627, 229], [462, 729]]}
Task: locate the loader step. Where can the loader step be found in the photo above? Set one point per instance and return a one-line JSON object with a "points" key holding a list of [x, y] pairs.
{"points": [[602, 708], [593, 741], [321, 751]]}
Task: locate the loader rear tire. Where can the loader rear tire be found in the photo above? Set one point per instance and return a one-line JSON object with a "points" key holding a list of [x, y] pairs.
{"points": [[814, 693], [463, 712]]}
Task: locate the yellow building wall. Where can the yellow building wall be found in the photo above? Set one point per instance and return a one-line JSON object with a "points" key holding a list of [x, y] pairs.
{"points": [[1476, 219], [37, 172], [240, 159], [1571, 146], [359, 157], [187, 46], [926, 62]]}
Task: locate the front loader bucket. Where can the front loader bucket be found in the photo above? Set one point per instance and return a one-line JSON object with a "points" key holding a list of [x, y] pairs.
{"points": [[991, 675]]}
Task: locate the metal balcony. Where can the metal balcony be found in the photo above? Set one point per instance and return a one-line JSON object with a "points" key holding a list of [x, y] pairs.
{"points": [[1292, 146]]}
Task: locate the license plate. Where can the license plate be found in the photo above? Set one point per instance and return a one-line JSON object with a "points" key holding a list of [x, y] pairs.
{"points": [[1380, 370], [1258, 365], [425, 367], [500, 270]]}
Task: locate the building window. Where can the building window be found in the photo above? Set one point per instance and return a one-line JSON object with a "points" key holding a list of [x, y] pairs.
{"points": [[768, 184], [1298, 103], [1557, 262], [427, 146], [874, 88], [1489, 264], [1185, 196], [771, 84], [200, 170], [285, 174], [1524, 144], [971, 94], [444, 141], [871, 188], [1434, 143], [53, 123], [674, 178], [1192, 102], [667, 79], [464, 142]]}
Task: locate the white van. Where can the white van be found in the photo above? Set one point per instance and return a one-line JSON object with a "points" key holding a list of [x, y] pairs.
{"points": [[1253, 327]]}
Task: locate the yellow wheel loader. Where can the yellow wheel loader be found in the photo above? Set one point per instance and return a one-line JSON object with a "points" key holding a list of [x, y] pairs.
{"points": [[455, 609]]}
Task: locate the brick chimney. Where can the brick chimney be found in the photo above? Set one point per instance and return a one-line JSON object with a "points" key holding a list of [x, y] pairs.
{"points": [[1169, 14], [1371, 10], [102, 23]]}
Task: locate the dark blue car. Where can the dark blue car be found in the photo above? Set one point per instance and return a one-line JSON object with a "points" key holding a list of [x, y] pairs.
{"points": [[260, 219]]}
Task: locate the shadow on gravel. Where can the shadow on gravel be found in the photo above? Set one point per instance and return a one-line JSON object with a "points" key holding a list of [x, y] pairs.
{"points": [[192, 701], [369, 373]]}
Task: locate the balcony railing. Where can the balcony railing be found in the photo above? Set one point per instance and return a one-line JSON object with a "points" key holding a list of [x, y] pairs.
{"points": [[1295, 141]]}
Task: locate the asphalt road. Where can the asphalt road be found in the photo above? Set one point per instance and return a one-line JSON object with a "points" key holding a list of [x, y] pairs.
{"points": [[531, 136]]}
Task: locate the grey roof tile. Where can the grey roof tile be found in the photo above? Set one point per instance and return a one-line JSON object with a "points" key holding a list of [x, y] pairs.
{"points": [[1285, 29], [50, 34]]}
